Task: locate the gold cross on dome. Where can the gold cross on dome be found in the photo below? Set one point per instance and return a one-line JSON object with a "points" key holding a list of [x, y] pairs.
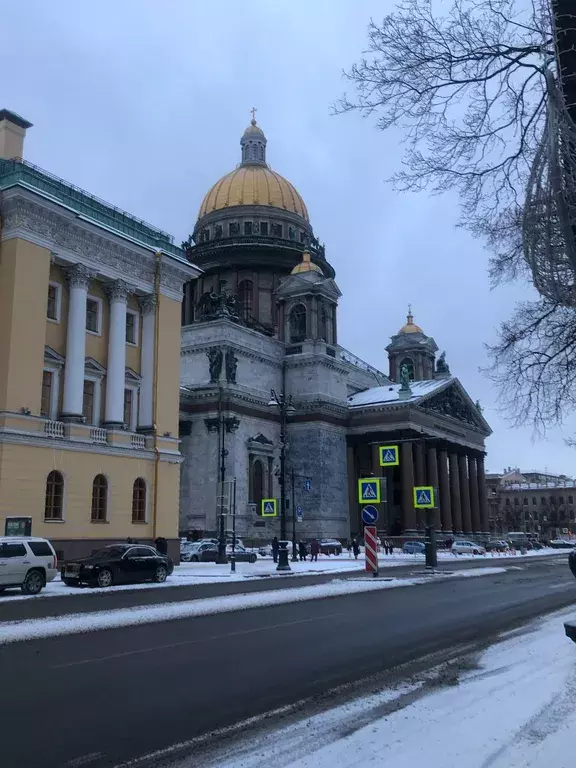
{"points": [[253, 113]]}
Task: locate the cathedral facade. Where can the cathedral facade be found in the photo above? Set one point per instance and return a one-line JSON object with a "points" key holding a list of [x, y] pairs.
{"points": [[271, 401]]}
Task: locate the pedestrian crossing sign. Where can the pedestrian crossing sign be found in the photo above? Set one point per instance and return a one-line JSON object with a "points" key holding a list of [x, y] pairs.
{"points": [[269, 508], [369, 490], [389, 455], [424, 497]]}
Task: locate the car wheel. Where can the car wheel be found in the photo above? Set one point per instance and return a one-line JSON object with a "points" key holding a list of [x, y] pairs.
{"points": [[160, 574], [475, 552], [105, 578], [194, 559], [252, 559], [33, 583]]}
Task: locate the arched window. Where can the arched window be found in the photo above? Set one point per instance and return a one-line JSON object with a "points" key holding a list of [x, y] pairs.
{"points": [[139, 501], [297, 323], [54, 496], [246, 294], [257, 484], [409, 363], [99, 498]]}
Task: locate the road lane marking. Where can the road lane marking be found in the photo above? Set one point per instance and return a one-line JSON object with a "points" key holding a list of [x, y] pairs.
{"points": [[562, 584], [76, 762], [194, 642]]}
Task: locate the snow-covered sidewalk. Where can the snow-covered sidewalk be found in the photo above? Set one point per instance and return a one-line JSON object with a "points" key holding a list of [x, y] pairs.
{"points": [[516, 708], [190, 574]]}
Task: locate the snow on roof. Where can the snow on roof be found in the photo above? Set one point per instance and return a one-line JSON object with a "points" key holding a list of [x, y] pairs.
{"points": [[389, 394]]}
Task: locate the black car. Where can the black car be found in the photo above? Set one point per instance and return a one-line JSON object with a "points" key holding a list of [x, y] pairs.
{"points": [[118, 564], [210, 554]]}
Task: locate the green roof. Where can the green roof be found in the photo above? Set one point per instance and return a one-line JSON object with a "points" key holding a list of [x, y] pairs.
{"points": [[22, 173]]}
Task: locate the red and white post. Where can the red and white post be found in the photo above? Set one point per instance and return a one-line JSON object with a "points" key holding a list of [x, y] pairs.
{"points": [[371, 549]]}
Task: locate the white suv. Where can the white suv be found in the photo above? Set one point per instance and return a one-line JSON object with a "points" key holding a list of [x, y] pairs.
{"points": [[26, 562], [467, 548]]}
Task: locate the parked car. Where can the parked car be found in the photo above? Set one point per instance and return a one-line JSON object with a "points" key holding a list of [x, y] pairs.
{"points": [[414, 548], [210, 554], [196, 552], [572, 562], [561, 544], [118, 564], [26, 562], [465, 547], [330, 547], [496, 545]]}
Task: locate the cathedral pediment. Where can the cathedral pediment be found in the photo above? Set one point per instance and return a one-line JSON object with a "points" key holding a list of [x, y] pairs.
{"points": [[454, 402]]}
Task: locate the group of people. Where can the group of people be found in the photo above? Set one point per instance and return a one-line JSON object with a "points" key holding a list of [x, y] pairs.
{"points": [[302, 550]]}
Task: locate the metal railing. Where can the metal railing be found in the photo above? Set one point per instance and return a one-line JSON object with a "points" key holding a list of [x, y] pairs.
{"points": [[54, 428], [349, 357], [137, 440]]}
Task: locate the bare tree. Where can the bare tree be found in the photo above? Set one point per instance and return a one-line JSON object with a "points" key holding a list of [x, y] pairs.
{"points": [[470, 90]]}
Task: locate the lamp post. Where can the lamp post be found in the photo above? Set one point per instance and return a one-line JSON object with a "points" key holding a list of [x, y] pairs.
{"points": [[285, 407]]}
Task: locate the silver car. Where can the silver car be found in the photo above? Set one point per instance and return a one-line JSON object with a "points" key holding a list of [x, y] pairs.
{"points": [[26, 562]]}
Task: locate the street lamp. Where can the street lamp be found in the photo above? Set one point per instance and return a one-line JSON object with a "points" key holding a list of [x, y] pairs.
{"points": [[284, 405]]}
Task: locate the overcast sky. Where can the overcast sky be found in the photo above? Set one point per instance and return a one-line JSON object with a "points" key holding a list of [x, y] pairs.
{"points": [[143, 103]]}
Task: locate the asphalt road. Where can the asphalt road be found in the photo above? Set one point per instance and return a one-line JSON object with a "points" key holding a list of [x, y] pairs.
{"points": [[104, 697]]}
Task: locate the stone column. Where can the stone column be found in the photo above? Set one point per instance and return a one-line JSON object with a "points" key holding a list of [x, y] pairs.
{"points": [[419, 466], [484, 523], [474, 499], [432, 479], [78, 278], [146, 404], [407, 468], [116, 374], [444, 489], [465, 493], [455, 493]]}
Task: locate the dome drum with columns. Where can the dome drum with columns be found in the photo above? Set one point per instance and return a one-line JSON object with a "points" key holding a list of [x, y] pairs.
{"points": [[252, 229]]}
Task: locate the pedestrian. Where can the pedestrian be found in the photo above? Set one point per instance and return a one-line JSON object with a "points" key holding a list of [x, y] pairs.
{"points": [[275, 548], [349, 547], [391, 547], [161, 545], [386, 547], [314, 550], [355, 548], [302, 550]]}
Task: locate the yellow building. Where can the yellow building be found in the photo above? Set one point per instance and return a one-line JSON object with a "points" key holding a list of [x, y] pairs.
{"points": [[90, 306]]}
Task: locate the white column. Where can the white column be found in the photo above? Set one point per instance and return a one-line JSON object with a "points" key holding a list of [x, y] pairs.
{"points": [[78, 278], [116, 373], [146, 408]]}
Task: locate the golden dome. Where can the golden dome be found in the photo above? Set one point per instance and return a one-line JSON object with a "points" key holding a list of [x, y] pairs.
{"points": [[306, 265], [410, 326], [253, 185]]}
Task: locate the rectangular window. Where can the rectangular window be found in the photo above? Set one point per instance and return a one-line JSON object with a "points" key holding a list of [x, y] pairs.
{"points": [[92, 315], [128, 402], [46, 399], [570, 500], [131, 327], [53, 306], [247, 227], [13, 550], [233, 228], [264, 228], [41, 548], [88, 401]]}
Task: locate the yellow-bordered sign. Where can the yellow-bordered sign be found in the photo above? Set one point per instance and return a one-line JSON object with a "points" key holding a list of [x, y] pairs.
{"points": [[424, 497], [369, 490], [269, 508], [389, 455]]}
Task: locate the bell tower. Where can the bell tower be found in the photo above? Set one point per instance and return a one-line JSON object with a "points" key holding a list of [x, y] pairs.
{"points": [[412, 348]]}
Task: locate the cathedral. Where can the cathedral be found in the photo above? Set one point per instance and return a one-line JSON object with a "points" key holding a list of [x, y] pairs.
{"points": [[273, 408]]}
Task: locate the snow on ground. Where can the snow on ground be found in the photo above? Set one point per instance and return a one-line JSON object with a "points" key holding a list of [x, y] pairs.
{"points": [[516, 708], [189, 574], [17, 631]]}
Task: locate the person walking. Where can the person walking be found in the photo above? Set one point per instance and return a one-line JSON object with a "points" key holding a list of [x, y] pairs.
{"points": [[302, 550], [391, 547], [275, 548], [386, 547], [355, 548], [314, 550]]}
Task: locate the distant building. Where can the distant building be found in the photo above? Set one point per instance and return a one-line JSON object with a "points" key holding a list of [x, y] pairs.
{"points": [[89, 362], [531, 501]]}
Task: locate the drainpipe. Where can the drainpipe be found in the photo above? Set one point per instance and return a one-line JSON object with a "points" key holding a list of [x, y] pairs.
{"points": [[155, 392]]}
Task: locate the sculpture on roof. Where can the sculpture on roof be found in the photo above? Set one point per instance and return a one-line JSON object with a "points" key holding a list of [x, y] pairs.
{"points": [[441, 364], [404, 378]]}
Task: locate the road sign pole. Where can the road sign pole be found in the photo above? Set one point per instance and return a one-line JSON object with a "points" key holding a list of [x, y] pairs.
{"points": [[294, 551], [430, 541], [371, 549]]}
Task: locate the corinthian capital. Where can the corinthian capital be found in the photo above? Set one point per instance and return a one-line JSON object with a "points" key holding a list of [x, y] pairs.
{"points": [[79, 276], [147, 304], [117, 290]]}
